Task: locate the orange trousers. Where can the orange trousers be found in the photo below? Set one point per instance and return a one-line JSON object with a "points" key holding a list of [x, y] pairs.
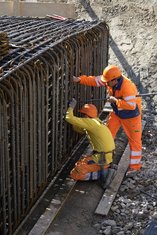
{"points": [[133, 130], [86, 169]]}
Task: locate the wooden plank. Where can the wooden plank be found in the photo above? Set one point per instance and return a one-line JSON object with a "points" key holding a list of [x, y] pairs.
{"points": [[51, 212], [111, 192], [56, 204]]}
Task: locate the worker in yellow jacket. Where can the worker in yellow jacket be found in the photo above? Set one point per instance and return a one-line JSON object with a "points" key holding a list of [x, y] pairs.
{"points": [[101, 140], [126, 108]]}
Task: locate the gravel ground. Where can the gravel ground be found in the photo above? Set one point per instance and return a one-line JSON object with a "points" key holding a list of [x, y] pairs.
{"points": [[135, 204], [133, 47]]}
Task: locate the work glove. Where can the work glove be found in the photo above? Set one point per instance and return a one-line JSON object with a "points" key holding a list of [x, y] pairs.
{"points": [[76, 79], [112, 99], [72, 103]]}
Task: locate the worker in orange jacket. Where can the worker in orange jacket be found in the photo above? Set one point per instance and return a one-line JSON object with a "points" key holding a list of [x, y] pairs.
{"points": [[101, 140], [126, 109]]}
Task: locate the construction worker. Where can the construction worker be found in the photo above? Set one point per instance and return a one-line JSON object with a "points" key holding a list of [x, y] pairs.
{"points": [[96, 165], [126, 109]]}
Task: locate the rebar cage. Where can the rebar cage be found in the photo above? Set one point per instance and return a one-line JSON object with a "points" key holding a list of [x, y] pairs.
{"points": [[36, 66]]}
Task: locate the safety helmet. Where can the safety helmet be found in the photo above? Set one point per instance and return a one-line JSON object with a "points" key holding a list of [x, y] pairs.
{"points": [[90, 110], [111, 72]]}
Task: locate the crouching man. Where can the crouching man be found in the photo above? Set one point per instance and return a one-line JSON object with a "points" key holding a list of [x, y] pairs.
{"points": [[97, 166]]}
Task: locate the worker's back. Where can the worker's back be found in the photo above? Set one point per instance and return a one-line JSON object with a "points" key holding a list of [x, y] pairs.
{"points": [[99, 135]]}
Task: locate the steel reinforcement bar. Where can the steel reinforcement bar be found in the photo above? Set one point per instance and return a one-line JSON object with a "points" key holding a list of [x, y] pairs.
{"points": [[35, 88]]}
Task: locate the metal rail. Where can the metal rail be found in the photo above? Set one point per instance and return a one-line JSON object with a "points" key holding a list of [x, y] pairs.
{"points": [[34, 91]]}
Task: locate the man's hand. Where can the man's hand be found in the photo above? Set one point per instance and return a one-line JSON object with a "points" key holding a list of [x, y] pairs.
{"points": [[112, 99], [76, 79], [72, 103]]}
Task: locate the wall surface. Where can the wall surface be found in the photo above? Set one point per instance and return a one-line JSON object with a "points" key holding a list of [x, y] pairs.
{"points": [[39, 9], [6, 8]]}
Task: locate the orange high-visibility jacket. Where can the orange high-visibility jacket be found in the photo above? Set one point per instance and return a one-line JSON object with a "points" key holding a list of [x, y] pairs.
{"points": [[127, 105], [98, 134]]}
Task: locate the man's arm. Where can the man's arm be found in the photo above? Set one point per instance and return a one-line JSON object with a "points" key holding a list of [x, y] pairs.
{"points": [[89, 80], [80, 123], [78, 129], [128, 99]]}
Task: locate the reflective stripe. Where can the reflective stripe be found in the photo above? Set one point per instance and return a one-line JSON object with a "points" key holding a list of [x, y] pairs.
{"points": [[123, 113], [135, 153], [98, 81], [135, 161], [92, 176], [129, 97], [132, 103], [88, 176]]}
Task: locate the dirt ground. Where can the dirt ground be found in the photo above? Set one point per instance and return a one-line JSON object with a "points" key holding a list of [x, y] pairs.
{"points": [[133, 47], [133, 32], [76, 217]]}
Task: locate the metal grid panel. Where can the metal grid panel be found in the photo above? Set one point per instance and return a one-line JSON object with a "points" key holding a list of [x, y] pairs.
{"points": [[35, 89]]}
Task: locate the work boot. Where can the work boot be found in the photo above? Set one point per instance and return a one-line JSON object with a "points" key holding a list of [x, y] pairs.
{"points": [[111, 174], [131, 173], [114, 166], [103, 176]]}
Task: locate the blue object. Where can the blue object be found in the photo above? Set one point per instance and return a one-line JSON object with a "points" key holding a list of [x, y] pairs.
{"points": [[151, 228]]}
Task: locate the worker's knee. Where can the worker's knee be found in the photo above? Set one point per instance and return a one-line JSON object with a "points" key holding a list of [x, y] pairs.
{"points": [[74, 174], [86, 170]]}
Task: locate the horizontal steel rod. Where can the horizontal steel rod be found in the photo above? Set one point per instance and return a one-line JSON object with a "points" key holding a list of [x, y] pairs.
{"points": [[105, 99]]}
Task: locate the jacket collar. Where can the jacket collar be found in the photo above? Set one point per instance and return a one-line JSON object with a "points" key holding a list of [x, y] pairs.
{"points": [[119, 84]]}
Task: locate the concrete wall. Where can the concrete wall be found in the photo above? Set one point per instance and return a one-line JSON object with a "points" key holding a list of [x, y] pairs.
{"points": [[6, 8], [39, 9]]}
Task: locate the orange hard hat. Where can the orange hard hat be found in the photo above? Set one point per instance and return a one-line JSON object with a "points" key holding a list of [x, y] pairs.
{"points": [[111, 72], [90, 110]]}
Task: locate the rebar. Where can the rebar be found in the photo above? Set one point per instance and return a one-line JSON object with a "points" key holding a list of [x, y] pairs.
{"points": [[35, 87]]}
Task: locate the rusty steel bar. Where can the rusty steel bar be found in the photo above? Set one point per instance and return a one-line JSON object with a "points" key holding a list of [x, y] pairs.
{"points": [[3, 217], [35, 87]]}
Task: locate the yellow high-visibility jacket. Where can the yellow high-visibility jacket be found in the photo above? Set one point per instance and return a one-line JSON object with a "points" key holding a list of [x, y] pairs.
{"points": [[98, 134]]}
